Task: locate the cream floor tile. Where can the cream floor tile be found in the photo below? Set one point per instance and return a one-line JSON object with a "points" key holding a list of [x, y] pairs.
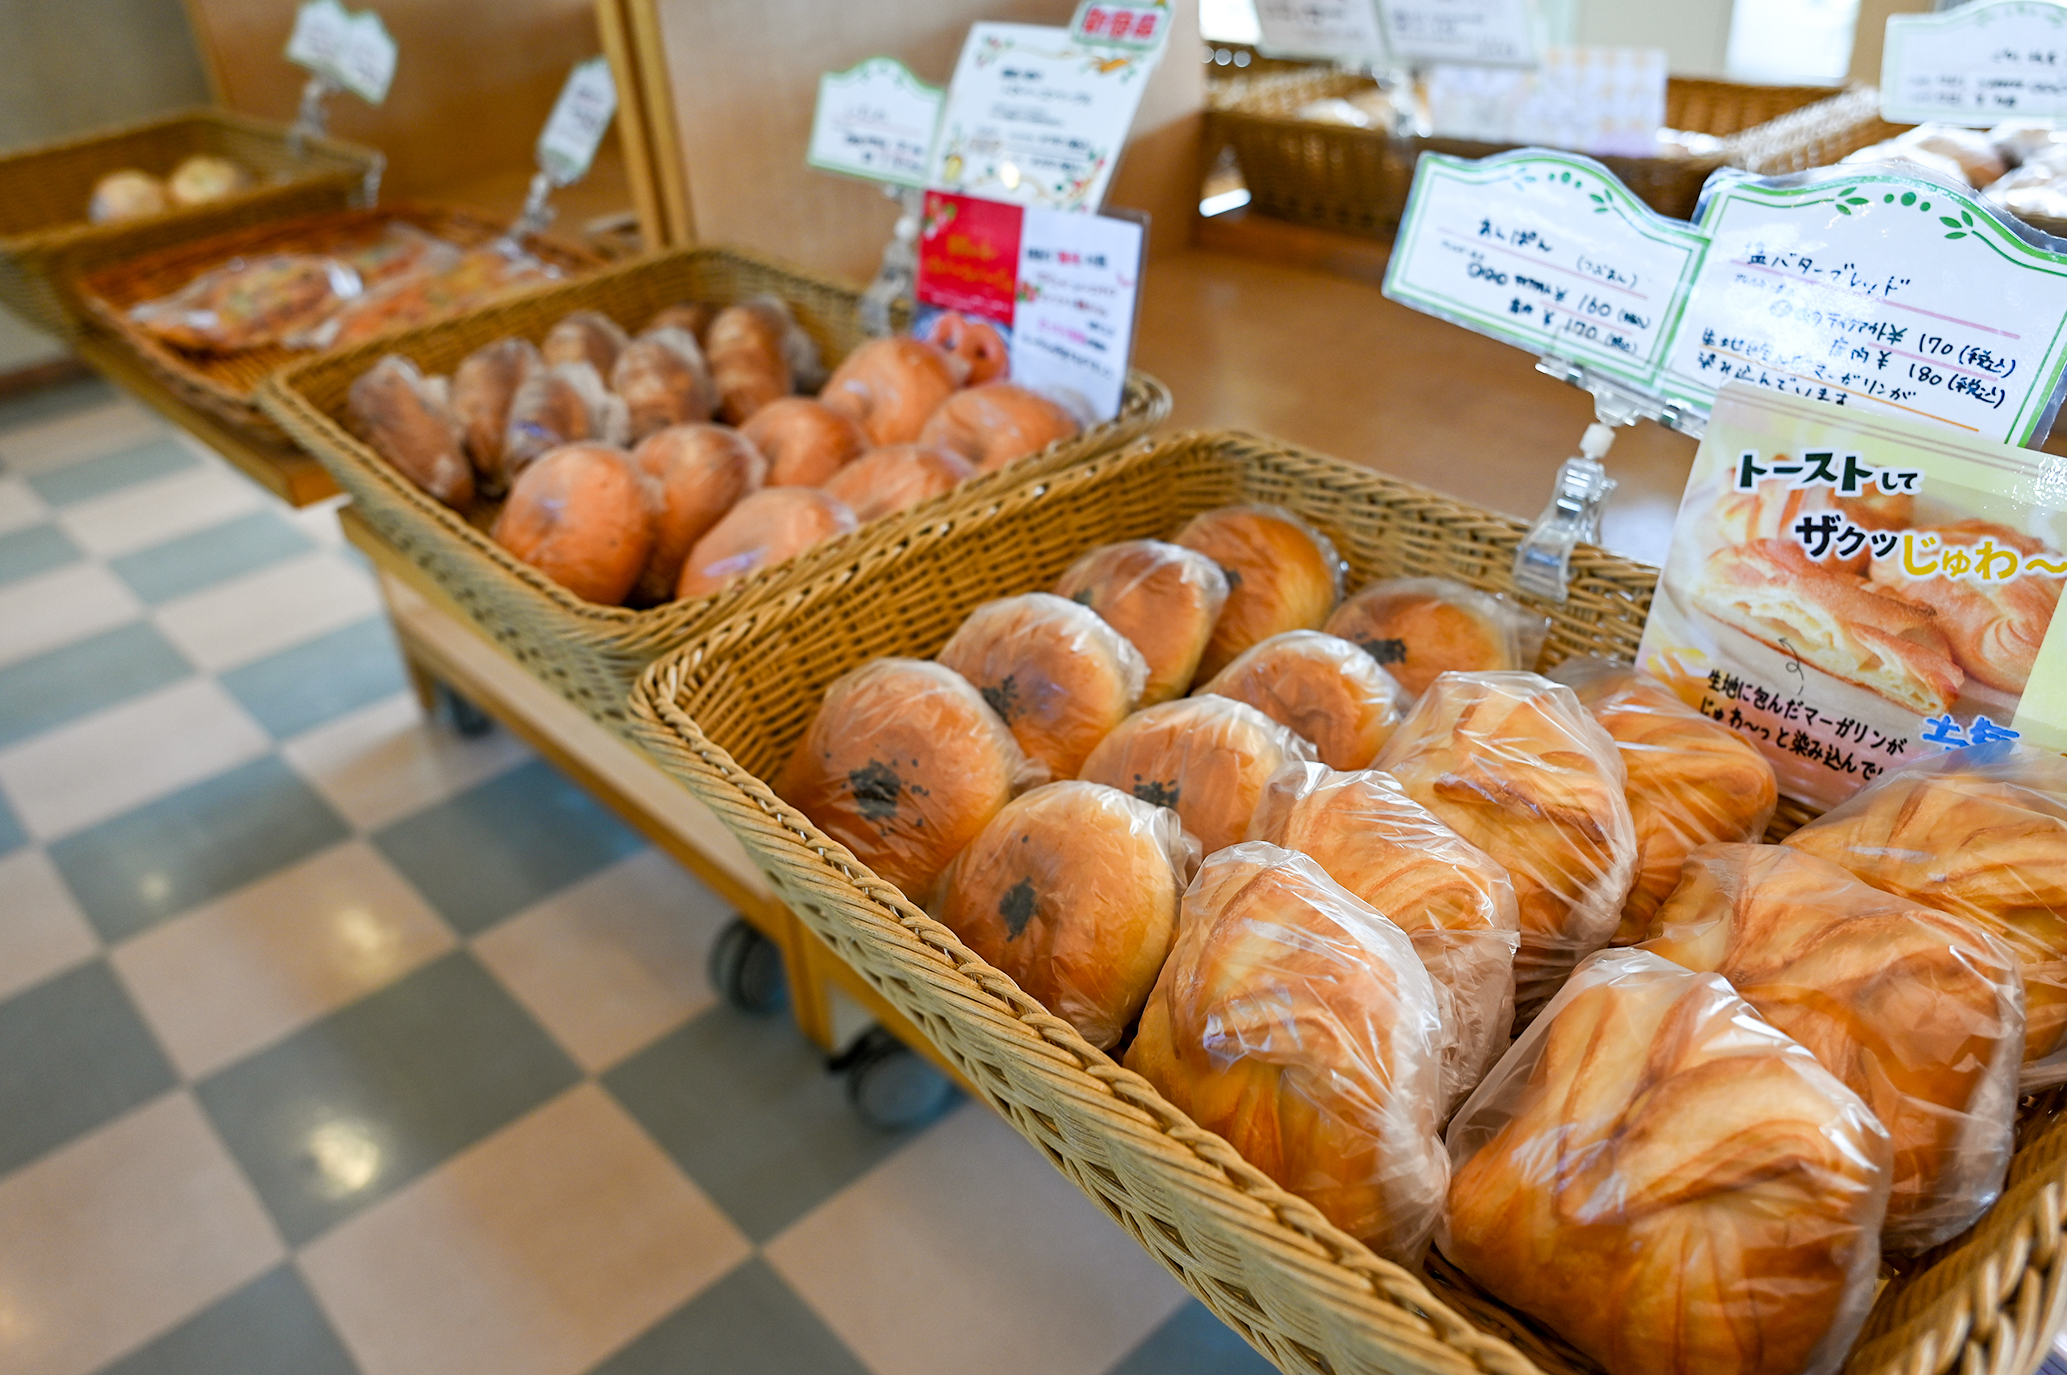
{"points": [[536, 1252], [52, 609], [103, 765], [385, 761], [974, 1219], [239, 973], [270, 610], [319, 522], [19, 505], [147, 513], [41, 929], [82, 434], [117, 1236], [614, 962]]}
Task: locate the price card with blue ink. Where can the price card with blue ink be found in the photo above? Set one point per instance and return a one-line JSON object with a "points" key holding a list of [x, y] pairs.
{"points": [[1979, 64], [875, 120]]}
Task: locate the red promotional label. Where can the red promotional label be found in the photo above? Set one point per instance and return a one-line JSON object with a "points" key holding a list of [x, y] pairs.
{"points": [[969, 255]]}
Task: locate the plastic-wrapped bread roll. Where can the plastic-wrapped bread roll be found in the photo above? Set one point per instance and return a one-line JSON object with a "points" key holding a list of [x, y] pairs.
{"points": [[1515, 765], [663, 381], [1209, 758], [889, 479], [1163, 597], [1421, 628], [1296, 1022], [484, 385], [806, 444], [766, 528], [1322, 688], [566, 403], [748, 361], [699, 473], [998, 422], [409, 420], [1455, 904], [585, 336], [1282, 574], [1670, 1183], [1072, 890], [583, 516], [891, 387]]}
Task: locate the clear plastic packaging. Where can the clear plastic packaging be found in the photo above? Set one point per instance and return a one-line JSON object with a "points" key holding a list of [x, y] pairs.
{"points": [[1692, 781], [1979, 832], [1919, 1012], [1297, 1023], [1320, 687], [1420, 628], [1059, 676], [585, 336], [1670, 1183], [1514, 764], [1072, 890], [993, 424], [1455, 904], [1282, 574], [767, 527], [889, 479], [891, 387], [566, 403], [904, 765], [249, 303], [1209, 758], [441, 283], [1163, 597], [699, 473], [409, 420], [483, 386], [663, 381], [583, 516]]}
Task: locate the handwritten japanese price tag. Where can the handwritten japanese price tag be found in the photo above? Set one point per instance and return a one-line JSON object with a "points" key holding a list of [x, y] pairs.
{"points": [[1490, 32], [580, 118], [1976, 65], [1143, 26], [351, 51], [1342, 30], [875, 120]]}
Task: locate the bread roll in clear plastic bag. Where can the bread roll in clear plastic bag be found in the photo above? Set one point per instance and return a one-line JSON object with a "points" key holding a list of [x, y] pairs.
{"points": [[1671, 1184], [1516, 766], [1072, 890], [409, 420], [566, 403], [662, 379], [1208, 757], [1421, 628], [765, 528], [584, 336], [1296, 1022], [1979, 832], [1163, 597], [1282, 574], [1320, 687], [1692, 781], [484, 386], [1455, 904]]}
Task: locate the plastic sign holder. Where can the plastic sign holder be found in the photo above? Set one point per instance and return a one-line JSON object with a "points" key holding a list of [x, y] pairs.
{"points": [[342, 51], [567, 145]]}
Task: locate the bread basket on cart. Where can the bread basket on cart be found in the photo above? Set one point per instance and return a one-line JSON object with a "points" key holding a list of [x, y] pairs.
{"points": [[722, 713]]}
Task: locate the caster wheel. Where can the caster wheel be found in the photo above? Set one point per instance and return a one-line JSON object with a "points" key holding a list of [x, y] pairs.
{"points": [[890, 1087], [469, 720], [746, 969]]}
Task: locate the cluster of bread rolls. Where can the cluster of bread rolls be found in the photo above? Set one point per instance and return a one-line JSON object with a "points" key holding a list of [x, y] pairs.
{"points": [[671, 464], [134, 194]]}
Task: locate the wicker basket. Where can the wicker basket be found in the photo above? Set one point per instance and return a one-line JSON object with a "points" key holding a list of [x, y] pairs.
{"points": [[44, 192], [723, 713], [226, 386], [591, 653]]}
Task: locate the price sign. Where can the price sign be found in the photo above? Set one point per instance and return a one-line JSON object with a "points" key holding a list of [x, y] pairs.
{"points": [[1343, 30], [1977, 65], [875, 120], [351, 51], [580, 118], [1486, 32], [1142, 26]]}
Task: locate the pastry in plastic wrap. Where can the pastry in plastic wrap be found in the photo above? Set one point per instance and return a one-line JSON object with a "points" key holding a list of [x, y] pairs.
{"points": [[1692, 781], [1296, 1022], [662, 379], [443, 282], [1060, 677], [129, 194], [585, 336], [1670, 1183], [1208, 758], [1163, 597], [1282, 574], [1326, 690], [565, 403], [891, 387], [204, 178], [483, 387], [410, 421], [904, 765], [1981, 833], [995, 423], [699, 472], [770, 526], [1994, 627], [895, 476], [745, 348], [976, 342], [249, 303], [1455, 904], [583, 516], [1072, 890], [1515, 765], [806, 444], [1919, 1012], [1968, 156], [1421, 628]]}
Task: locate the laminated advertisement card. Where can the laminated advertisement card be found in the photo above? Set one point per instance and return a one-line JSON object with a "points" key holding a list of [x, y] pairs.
{"points": [[1852, 590]]}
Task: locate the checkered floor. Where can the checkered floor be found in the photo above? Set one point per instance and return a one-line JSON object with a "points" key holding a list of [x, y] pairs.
{"points": [[331, 1041]]}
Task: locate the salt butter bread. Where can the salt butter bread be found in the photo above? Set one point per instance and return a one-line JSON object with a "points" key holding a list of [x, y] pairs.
{"points": [[1422, 628], [1208, 758], [1319, 687], [1162, 597], [1282, 574]]}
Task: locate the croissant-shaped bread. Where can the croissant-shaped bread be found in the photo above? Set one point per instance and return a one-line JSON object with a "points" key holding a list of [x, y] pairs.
{"points": [[1669, 1182], [1995, 628]]}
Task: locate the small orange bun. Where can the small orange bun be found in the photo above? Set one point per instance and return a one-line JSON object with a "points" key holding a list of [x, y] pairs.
{"points": [[764, 529], [997, 422], [1422, 628], [904, 765], [1061, 677], [744, 345], [663, 381], [898, 476], [891, 387], [1209, 758], [975, 342], [1162, 597], [805, 443], [582, 516], [699, 472], [1325, 690], [1282, 574], [586, 336]]}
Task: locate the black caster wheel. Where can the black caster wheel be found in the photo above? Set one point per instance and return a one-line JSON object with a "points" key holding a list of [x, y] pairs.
{"points": [[469, 720], [746, 969], [890, 1087]]}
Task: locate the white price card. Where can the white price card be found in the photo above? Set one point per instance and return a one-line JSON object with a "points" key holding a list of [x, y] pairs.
{"points": [[1073, 324], [875, 120], [1341, 30], [1604, 101], [580, 118], [1486, 32], [1977, 65], [1143, 25], [351, 51]]}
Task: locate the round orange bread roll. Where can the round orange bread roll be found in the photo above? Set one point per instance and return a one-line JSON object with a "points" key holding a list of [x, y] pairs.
{"points": [[896, 476], [583, 516], [1163, 597], [1421, 628], [975, 342], [1072, 890], [1282, 574], [1324, 689], [662, 379], [1061, 677], [806, 444], [1208, 758], [749, 365], [699, 473], [904, 765], [764, 529], [585, 336], [997, 422], [891, 387]]}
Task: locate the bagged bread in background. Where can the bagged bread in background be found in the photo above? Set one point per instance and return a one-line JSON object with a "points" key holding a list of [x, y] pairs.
{"points": [[409, 420], [484, 386], [584, 336], [895, 476], [1321, 688], [663, 381], [997, 422], [1420, 628], [565, 403], [583, 516], [806, 444], [1208, 758], [1282, 574], [1162, 597], [765, 528], [698, 474]]}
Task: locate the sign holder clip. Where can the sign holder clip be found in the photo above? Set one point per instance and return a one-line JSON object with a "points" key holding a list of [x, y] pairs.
{"points": [[897, 279]]}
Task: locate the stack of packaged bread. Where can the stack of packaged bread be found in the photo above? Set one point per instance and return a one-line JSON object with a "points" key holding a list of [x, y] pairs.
{"points": [[1468, 955], [635, 470]]}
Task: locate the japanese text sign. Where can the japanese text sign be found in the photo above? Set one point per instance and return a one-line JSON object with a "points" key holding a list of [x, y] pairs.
{"points": [[1976, 65], [580, 118], [351, 51], [1138, 24], [1343, 30], [1492, 32], [875, 120]]}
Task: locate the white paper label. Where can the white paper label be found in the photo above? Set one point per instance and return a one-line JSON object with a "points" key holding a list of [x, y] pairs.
{"points": [[1496, 32], [875, 120], [351, 51], [1073, 325], [1345, 30], [1603, 101], [580, 118], [1143, 25], [1977, 65]]}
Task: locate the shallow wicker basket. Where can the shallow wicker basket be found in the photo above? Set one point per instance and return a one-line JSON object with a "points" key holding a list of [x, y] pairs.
{"points": [[44, 191], [723, 713], [588, 652]]}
